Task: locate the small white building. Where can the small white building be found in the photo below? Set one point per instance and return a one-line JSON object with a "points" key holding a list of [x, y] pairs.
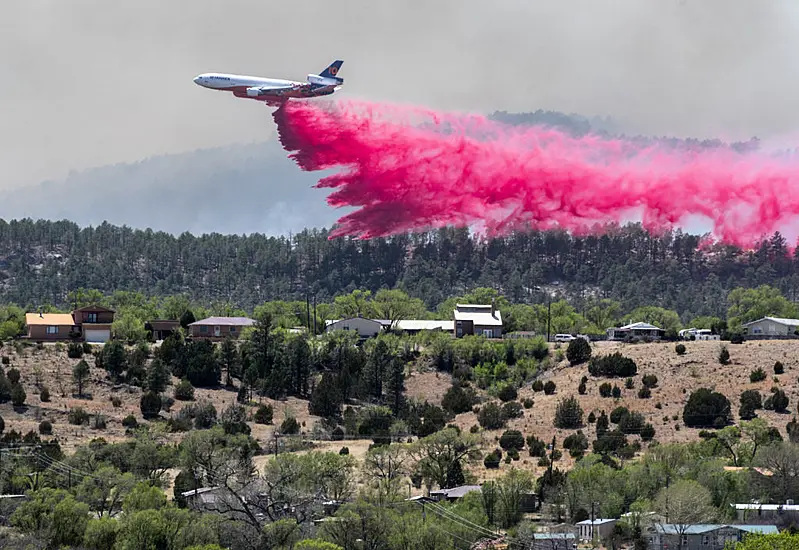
{"points": [[699, 334], [478, 319], [599, 527], [366, 328], [771, 326]]}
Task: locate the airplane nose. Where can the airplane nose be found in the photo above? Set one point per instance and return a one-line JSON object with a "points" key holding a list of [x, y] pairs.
{"points": [[197, 79]]}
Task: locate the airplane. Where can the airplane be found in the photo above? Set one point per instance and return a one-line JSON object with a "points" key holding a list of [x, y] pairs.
{"points": [[274, 92]]}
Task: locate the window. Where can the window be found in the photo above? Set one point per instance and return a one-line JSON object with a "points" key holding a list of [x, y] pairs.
{"points": [[705, 540], [684, 540], [52, 330], [91, 317], [232, 329], [203, 328]]}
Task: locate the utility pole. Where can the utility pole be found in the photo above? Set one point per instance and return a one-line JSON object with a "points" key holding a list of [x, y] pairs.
{"points": [[549, 315], [308, 311]]}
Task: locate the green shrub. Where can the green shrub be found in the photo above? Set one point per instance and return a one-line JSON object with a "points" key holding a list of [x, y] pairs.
{"points": [[757, 375], [644, 393], [613, 365], [506, 393], [290, 426], [264, 414], [45, 427], [779, 368], [649, 380], [578, 351], [77, 416], [706, 409], [18, 395], [680, 349], [605, 389], [490, 416], [511, 439], [750, 402], [549, 387], [184, 391], [535, 446], [527, 402], [130, 422], [568, 413], [724, 355], [74, 350], [538, 385]]}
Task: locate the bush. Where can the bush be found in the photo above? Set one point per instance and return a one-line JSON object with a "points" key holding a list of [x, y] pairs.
{"points": [[150, 405], [631, 423], [511, 439], [724, 355], [581, 389], [77, 416], [614, 365], [648, 432], [44, 394], [290, 426], [649, 380], [591, 417], [184, 391], [130, 422], [100, 422], [491, 460], [644, 393], [535, 446], [87, 347], [512, 409], [13, 376], [549, 387], [605, 389], [750, 402], [18, 395], [779, 368], [576, 444], [506, 393], [460, 398], [74, 350], [45, 427], [680, 349], [568, 413], [527, 402], [616, 392], [629, 384], [6, 360], [344, 451], [337, 434], [264, 414], [757, 375], [706, 409], [737, 339], [579, 351], [538, 385], [618, 413], [777, 401], [490, 417]]}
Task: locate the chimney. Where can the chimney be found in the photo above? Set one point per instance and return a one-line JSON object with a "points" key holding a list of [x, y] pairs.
{"points": [[493, 307]]}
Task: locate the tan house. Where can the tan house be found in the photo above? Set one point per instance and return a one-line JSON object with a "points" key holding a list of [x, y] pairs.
{"points": [[161, 328], [219, 328], [89, 324], [484, 320]]}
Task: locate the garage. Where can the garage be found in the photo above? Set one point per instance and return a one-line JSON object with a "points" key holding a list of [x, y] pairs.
{"points": [[96, 336]]}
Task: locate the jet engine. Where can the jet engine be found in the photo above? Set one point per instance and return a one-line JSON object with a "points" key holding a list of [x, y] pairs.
{"points": [[320, 80], [253, 92]]}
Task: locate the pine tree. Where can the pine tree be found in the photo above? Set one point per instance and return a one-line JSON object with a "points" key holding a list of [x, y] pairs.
{"points": [[80, 372], [229, 359], [157, 376]]}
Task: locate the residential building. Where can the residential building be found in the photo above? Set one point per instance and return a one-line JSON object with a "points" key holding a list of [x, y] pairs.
{"points": [[90, 324], [414, 326], [161, 328], [478, 319], [219, 328], [701, 536], [771, 326], [554, 541], [635, 330], [454, 493], [601, 528], [366, 328], [755, 512], [698, 334]]}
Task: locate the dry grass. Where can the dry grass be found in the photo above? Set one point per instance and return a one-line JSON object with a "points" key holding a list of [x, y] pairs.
{"points": [[677, 377]]}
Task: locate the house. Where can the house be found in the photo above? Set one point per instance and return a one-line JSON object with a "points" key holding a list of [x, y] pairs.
{"points": [[454, 493], [635, 330], [599, 528], [554, 541], [756, 512], [528, 502], [698, 334], [701, 536], [366, 328], [485, 320], [90, 324], [219, 328], [161, 328], [771, 326], [204, 499], [415, 326]]}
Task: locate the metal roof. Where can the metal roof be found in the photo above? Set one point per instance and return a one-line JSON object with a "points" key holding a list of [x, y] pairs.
{"points": [[767, 507], [479, 314], [457, 492], [227, 321], [672, 529], [597, 521], [639, 326], [779, 320]]}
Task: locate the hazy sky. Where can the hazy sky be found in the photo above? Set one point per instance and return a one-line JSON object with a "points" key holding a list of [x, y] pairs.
{"points": [[88, 83]]}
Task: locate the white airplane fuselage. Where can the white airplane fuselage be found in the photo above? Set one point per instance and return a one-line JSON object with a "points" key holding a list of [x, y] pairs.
{"points": [[273, 91]]}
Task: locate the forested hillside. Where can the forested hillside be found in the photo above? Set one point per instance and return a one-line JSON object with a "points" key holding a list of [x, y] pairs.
{"points": [[41, 262]]}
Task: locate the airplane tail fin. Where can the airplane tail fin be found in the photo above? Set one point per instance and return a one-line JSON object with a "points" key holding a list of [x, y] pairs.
{"points": [[332, 70]]}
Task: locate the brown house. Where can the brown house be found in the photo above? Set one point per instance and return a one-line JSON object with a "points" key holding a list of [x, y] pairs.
{"points": [[89, 324], [219, 328], [161, 328]]}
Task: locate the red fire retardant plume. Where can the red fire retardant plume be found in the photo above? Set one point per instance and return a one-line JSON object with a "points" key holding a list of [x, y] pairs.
{"points": [[409, 169]]}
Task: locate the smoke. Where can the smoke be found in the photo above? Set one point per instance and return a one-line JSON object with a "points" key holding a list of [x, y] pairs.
{"points": [[408, 169]]}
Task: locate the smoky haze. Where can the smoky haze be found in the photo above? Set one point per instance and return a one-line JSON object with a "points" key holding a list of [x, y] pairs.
{"points": [[89, 83]]}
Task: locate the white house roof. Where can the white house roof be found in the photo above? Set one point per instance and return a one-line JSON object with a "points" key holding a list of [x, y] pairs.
{"points": [[639, 326], [478, 314], [597, 521], [226, 321], [457, 492], [778, 320], [767, 507], [413, 324], [671, 529]]}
